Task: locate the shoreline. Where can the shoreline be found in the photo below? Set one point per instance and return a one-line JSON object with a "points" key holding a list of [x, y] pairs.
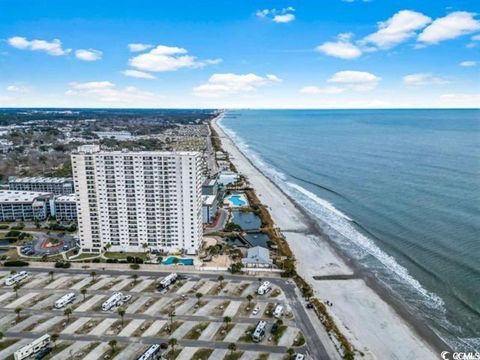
{"points": [[424, 335]]}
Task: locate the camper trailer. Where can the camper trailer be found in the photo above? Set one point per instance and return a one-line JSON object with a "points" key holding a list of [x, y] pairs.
{"points": [[152, 353], [259, 332], [16, 278], [112, 301], [167, 281], [278, 311], [264, 288], [65, 300], [34, 347]]}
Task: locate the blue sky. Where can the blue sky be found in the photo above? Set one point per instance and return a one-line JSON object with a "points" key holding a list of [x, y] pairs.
{"points": [[240, 53]]}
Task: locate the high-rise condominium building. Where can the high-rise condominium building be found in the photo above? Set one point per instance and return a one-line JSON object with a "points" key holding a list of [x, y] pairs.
{"points": [[134, 200]]}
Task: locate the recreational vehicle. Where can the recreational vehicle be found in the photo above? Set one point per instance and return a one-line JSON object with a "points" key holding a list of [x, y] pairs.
{"points": [[64, 300], [112, 301], [264, 288], [16, 278], [152, 353], [34, 347], [259, 332], [278, 311], [167, 281]]}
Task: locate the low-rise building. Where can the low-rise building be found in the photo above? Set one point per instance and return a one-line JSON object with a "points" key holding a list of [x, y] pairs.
{"points": [[209, 208], [66, 207], [25, 205], [54, 185], [257, 257], [227, 177]]}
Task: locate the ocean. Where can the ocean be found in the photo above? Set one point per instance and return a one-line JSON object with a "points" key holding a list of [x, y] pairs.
{"points": [[396, 190]]}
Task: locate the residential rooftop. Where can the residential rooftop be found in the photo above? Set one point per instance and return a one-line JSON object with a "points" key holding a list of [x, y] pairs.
{"points": [[21, 196]]}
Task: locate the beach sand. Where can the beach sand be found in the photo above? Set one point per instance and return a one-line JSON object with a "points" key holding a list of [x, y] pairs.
{"points": [[370, 323]]}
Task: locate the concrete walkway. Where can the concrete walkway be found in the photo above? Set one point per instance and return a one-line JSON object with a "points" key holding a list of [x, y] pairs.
{"points": [[71, 350], [154, 328], [77, 324], [90, 303], [131, 327], [97, 352]]}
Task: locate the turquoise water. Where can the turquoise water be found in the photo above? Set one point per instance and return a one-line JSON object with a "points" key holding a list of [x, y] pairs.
{"points": [[236, 200], [399, 190], [181, 261]]}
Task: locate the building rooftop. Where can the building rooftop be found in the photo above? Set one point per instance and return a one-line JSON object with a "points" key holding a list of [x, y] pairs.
{"points": [[21, 196], [39, 179], [66, 198], [257, 255], [208, 199], [95, 149]]}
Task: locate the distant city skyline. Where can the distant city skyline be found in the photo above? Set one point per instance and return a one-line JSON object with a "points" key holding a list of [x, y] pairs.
{"points": [[238, 54]]}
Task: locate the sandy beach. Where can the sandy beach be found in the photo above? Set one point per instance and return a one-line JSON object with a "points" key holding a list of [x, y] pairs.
{"points": [[371, 324]]}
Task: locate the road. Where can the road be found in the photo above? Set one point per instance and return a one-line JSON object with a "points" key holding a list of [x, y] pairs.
{"points": [[315, 347]]}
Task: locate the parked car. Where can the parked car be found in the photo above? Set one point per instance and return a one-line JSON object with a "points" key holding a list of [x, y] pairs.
{"points": [[163, 346], [309, 306], [43, 353], [256, 310], [274, 328]]}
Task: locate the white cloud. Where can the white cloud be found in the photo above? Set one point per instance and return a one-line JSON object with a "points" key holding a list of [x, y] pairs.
{"points": [[355, 80], [22, 89], [342, 48], [53, 47], [476, 37], [453, 25], [138, 74], [286, 18], [468, 63], [88, 55], [315, 90], [229, 84], [399, 28], [107, 92], [137, 47], [279, 16], [167, 58], [423, 79]]}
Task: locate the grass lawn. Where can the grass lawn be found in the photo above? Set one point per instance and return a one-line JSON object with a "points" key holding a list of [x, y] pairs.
{"points": [[6, 343], [223, 331], [234, 356], [196, 331], [278, 334], [247, 336], [202, 354], [123, 255]]}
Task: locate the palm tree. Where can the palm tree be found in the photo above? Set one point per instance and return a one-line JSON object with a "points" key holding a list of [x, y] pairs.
{"points": [[18, 310], [67, 312], [93, 274], [51, 275], [145, 247], [249, 298], [227, 320], [54, 338], [290, 352], [232, 347], [107, 246], [16, 287], [121, 311], [135, 278], [83, 292], [198, 295], [172, 342], [171, 315], [112, 343]]}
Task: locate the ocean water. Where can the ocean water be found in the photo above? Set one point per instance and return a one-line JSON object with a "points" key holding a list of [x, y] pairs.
{"points": [[398, 190]]}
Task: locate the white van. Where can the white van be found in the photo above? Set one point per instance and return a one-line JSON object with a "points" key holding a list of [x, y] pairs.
{"points": [[278, 312], [64, 300]]}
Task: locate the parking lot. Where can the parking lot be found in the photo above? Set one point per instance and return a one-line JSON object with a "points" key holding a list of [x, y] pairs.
{"points": [[203, 313]]}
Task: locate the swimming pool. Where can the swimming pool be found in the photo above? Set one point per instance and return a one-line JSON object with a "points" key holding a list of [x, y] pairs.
{"points": [[181, 261], [237, 200]]}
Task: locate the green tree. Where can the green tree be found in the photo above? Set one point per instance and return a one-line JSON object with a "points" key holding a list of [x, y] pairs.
{"points": [[135, 278], [227, 320], [173, 342], [93, 274], [54, 338], [16, 287], [1, 335], [121, 311], [83, 292], [232, 347], [67, 312], [18, 310], [51, 273], [249, 299], [290, 352], [198, 295], [171, 315], [112, 343]]}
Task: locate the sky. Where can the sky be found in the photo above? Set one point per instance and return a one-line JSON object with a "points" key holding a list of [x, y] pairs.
{"points": [[240, 54]]}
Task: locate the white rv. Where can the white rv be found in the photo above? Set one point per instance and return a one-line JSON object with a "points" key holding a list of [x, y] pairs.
{"points": [[278, 311], [167, 281], [16, 278], [264, 288], [32, 348], [151, 353], [259, 332], [112, 301], [64, 300]]}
